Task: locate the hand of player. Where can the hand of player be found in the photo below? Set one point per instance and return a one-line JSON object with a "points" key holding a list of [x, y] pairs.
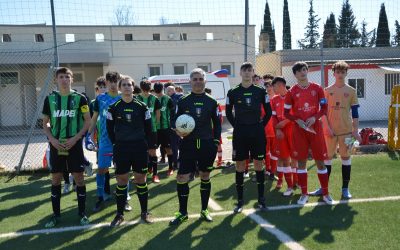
{"points": [[279, 134], [301, 123], [329, 132], [89, 144], [181, 135], [56, 143], [282, 124], [310, 121], [70, 142], [357, 136]]}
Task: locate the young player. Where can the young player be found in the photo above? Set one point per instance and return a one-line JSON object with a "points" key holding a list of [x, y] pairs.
{"points": [[283, 132], [199, 148], [248, 130], [154, 106], [175, 97], [164, 126], [104, 147], [67, 113], [305, 104], [341, 123], [128, 125]]}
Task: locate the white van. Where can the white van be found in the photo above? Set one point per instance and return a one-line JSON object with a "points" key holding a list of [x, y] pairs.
{"points": [[217, 81]]}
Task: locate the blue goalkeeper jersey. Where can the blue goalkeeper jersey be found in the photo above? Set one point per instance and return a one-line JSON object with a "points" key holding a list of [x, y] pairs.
{"points": [[101, 104]]}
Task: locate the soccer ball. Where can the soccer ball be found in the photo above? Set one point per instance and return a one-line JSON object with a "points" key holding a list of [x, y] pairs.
{"points": [[185, 124]]}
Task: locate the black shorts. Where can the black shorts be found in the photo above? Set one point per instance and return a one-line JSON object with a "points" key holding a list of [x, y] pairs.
{"points": [[196, 154], [152, 143], [164, 138], [130, 156], [71, 163], [248, 139]]}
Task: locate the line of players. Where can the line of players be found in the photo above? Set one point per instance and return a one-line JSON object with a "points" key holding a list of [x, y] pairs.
{"points": [[295, 123]]}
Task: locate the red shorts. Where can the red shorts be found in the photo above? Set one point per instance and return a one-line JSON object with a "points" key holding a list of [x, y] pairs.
{"points": [[303, 140], [270, 146], [284, 146]]}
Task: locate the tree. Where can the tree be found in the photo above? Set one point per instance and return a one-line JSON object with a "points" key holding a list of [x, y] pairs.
{"points": [[348, 33], [396, 37], [272, 41], [267, 28], [330, 32], [163, 20], [287, 37], [124, 15], [372, 42], [367, 37], [311, 37], [383, 33]]}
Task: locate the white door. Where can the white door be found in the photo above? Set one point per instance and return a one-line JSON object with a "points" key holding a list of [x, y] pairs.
{"points": [[10, 100]]}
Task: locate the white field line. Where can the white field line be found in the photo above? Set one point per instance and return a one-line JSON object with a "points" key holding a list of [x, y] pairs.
{"points": [[164, 219], [214, 205], [270, 228]]}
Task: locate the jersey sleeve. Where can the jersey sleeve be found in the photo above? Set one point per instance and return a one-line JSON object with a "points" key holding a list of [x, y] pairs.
{"points": [[354, 99], [83, 105], [110, 123], [96, 107], [46, 107], [288, 100]]}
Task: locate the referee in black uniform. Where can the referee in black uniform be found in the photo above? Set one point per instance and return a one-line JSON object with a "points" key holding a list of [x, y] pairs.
{"points": [[248, 130], [129, 127], [198, 148]]}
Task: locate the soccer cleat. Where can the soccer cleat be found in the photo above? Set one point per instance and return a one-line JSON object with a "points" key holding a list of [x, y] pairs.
{"points": [[127, 207], [239, 207], [146, 218], [303, 199], [52, 222], [170, 172], [346, 193], [328, 199], [272, 177], [261, 204], [118, 219], [66, 189], [84, 220], [98, 206], [179, 218], [246, 175], [205, 215], [156, 179], [288, 192], [317, 192], [279, 184]]}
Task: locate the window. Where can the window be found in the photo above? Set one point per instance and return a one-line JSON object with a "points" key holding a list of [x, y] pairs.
{"points": [[359, 85], [210, 36], [6, 38], [128, 37], [99, 38], [39, 38], [69, 38], [156, 37], [391, 80], [155, 70], [228, 67], [204, 66], [183, 36], [179, 69], [8, 77], [79, 77]]}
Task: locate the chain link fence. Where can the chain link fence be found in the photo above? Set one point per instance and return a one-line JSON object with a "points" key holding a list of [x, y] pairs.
{"points": [[144, 38]]}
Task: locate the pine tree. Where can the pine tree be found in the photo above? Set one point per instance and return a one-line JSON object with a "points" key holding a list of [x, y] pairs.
{"points": [[396, 37], [364, 34], [311, 37], [330, 32], [267, 28], [383, 33], [348, 33], [287, 37], [372, 42], [272, 40]]}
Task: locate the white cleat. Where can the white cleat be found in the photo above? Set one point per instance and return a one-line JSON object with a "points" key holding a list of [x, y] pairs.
{"points": [[246, 175], [66, 188], [303, 199], [288, 192], [328, 199]]}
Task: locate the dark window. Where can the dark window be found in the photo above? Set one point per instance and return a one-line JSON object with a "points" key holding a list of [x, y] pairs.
{"points": [[391, 80], [39, 38], [179, 70], [128, 37], [8, 78], [156, 37], [6, 38], [154, 70], [228, 67], [359, 85], [183, 36]]}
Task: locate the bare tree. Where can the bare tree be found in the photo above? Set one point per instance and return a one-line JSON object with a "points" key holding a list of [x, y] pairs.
{"points": [[163, 20], [124, 15]]}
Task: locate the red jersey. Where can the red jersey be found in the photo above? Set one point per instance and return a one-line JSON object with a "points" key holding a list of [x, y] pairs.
{"points": [[305, 102]]}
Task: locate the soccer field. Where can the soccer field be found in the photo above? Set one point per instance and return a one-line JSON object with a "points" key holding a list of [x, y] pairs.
{"points": [[369, 221]]}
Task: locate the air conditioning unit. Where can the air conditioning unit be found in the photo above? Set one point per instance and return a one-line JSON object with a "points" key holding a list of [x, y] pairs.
{"points": [[171, 36]]}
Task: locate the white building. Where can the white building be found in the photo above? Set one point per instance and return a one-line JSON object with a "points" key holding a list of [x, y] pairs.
{"points": [[91, 51], [373, 72]]}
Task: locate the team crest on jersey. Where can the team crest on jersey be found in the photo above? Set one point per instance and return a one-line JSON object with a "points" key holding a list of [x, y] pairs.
{"points": [[337, 105], [313, 93], [248, 101], [295, 153], [331, 94], [298, 95], [306, 107], [346, 95], [72, 103], [128, 117], [198, 112]]}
